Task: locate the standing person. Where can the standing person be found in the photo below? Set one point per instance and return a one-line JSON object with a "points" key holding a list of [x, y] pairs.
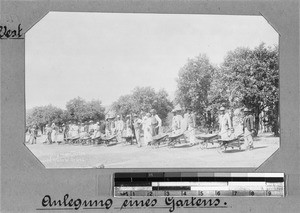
{"points": [[63, 128], [33, 134], [28, 130], [177, 121], [119, 123], [74, 130], [35, 129], [91, 128], [237, 122], [112, 125], [102, 128], [148, 129], [54, 133], [224, 124], [128, 126], [48, 131], [82, 132], [184, 123], [97, 132], [107, 127], [144, 118], [67, 131], [191, 125], [248, 127], [86, 128], [137, 123], [81, 128], [155, 122]]}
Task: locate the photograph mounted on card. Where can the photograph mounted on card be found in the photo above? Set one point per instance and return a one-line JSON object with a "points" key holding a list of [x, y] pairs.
{"points": [[141, 90]]}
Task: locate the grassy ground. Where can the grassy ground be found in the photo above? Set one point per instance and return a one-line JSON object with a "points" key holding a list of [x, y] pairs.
{"points": [[130, 156]]}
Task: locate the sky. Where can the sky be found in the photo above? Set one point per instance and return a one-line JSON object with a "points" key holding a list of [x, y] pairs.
{"points": [[102, 56]]}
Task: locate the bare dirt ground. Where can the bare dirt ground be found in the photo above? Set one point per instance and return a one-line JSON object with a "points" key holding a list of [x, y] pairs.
{"points": [[130, 156]]}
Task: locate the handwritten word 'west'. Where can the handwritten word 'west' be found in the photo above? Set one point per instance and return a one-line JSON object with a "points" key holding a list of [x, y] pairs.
{"points": [[6, 33]]}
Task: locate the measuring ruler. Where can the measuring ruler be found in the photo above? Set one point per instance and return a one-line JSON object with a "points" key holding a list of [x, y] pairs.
{"points": [[177, 184]]}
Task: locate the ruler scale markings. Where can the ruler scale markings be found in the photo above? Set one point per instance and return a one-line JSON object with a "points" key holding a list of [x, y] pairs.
{"points": [[199, 184], [189, 183]]}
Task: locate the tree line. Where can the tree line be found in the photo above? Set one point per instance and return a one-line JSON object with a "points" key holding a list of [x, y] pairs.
{"points": [[246, 78]]}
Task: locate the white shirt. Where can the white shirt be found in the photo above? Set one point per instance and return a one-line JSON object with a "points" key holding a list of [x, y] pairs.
{"points": [[158, 120], [119, 125], [177, 122], [224, 122]]}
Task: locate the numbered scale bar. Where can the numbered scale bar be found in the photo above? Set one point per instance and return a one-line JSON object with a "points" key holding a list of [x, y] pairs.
{"points": [[199, 184]]}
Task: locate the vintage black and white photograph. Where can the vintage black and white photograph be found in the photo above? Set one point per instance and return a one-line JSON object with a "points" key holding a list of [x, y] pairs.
{"points": [[141, 90]]}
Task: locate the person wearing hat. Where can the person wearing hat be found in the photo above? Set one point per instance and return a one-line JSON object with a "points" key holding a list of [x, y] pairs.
{"points": [[54, 132], [190, 120], [224, 124], [177, 120], [147, 129], [63, 128], [97, 132], [109, 128], [91, 127], [86, 127], [155, 123], [48, 131], [102, 128], [119, 124], [144, 120], [112, 125], [33, 134], [184, 124], [68, 127], [137, 124], [74, 130], [248, 128], [128, 131], [82, 133], [80, 128]]}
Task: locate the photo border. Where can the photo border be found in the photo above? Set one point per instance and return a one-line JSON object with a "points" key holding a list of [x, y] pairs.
{"points": [[24, 181]]}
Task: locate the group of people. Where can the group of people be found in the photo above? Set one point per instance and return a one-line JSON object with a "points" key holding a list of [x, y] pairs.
{"points": [[132, 127], [229, 129], [33, 132], [148, 125]]}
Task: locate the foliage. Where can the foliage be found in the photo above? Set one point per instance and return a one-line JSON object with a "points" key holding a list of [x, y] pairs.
{"points": [[80, 110], [248, 78], [143, 99], [77, 109], [44, 115], [193, 84]]}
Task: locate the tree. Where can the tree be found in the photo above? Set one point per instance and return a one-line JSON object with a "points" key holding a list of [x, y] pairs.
{"points": [[80, 110], [162, 104], [43, 115], [143, 99], [249, 78], [124, 105], [94, 110], [193, 84]]}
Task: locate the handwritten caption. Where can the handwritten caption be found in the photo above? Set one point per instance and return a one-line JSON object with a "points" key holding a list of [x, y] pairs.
{"points": [[7, 33], [170, 203]]}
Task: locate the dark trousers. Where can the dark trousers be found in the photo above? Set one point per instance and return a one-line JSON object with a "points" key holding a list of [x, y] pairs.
{"points": [[49, 137]]}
